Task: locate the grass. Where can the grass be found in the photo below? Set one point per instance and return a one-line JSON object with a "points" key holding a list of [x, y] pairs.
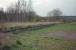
{"points": [[39, 40], [61, 27]]}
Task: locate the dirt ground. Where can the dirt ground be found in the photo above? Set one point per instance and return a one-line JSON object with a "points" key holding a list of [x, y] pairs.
{"points": [[64, 35]]}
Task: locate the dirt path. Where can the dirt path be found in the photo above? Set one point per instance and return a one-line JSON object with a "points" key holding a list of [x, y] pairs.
{"points": [[65, 35]]}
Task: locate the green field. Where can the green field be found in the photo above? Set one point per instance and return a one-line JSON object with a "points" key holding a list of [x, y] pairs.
{"points": [[39, 39]]}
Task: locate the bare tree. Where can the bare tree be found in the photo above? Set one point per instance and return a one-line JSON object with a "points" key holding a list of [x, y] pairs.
{"points": [[17, 11], [21, 12], [56, 13]]}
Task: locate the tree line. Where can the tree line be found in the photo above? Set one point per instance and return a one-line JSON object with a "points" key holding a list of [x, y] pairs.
{"points": [[18, 12]]}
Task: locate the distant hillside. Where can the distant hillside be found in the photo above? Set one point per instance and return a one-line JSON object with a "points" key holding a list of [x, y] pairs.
{"points": [[70, 18]]}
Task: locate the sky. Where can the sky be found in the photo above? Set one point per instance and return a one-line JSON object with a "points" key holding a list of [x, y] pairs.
{"points": [[42, 7]]}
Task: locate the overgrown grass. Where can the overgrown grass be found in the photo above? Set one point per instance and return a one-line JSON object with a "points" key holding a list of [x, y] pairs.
{"points": [[39, 40]]}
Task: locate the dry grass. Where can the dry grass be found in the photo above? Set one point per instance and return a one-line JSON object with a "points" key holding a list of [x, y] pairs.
{"points": [[13, 24]]}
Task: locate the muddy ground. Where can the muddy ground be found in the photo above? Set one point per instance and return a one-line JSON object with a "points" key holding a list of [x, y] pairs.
{"points": [[64, 35]]}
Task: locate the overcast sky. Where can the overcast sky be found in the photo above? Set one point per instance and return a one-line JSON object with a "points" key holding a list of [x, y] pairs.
{"points": [[42, 7]]}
